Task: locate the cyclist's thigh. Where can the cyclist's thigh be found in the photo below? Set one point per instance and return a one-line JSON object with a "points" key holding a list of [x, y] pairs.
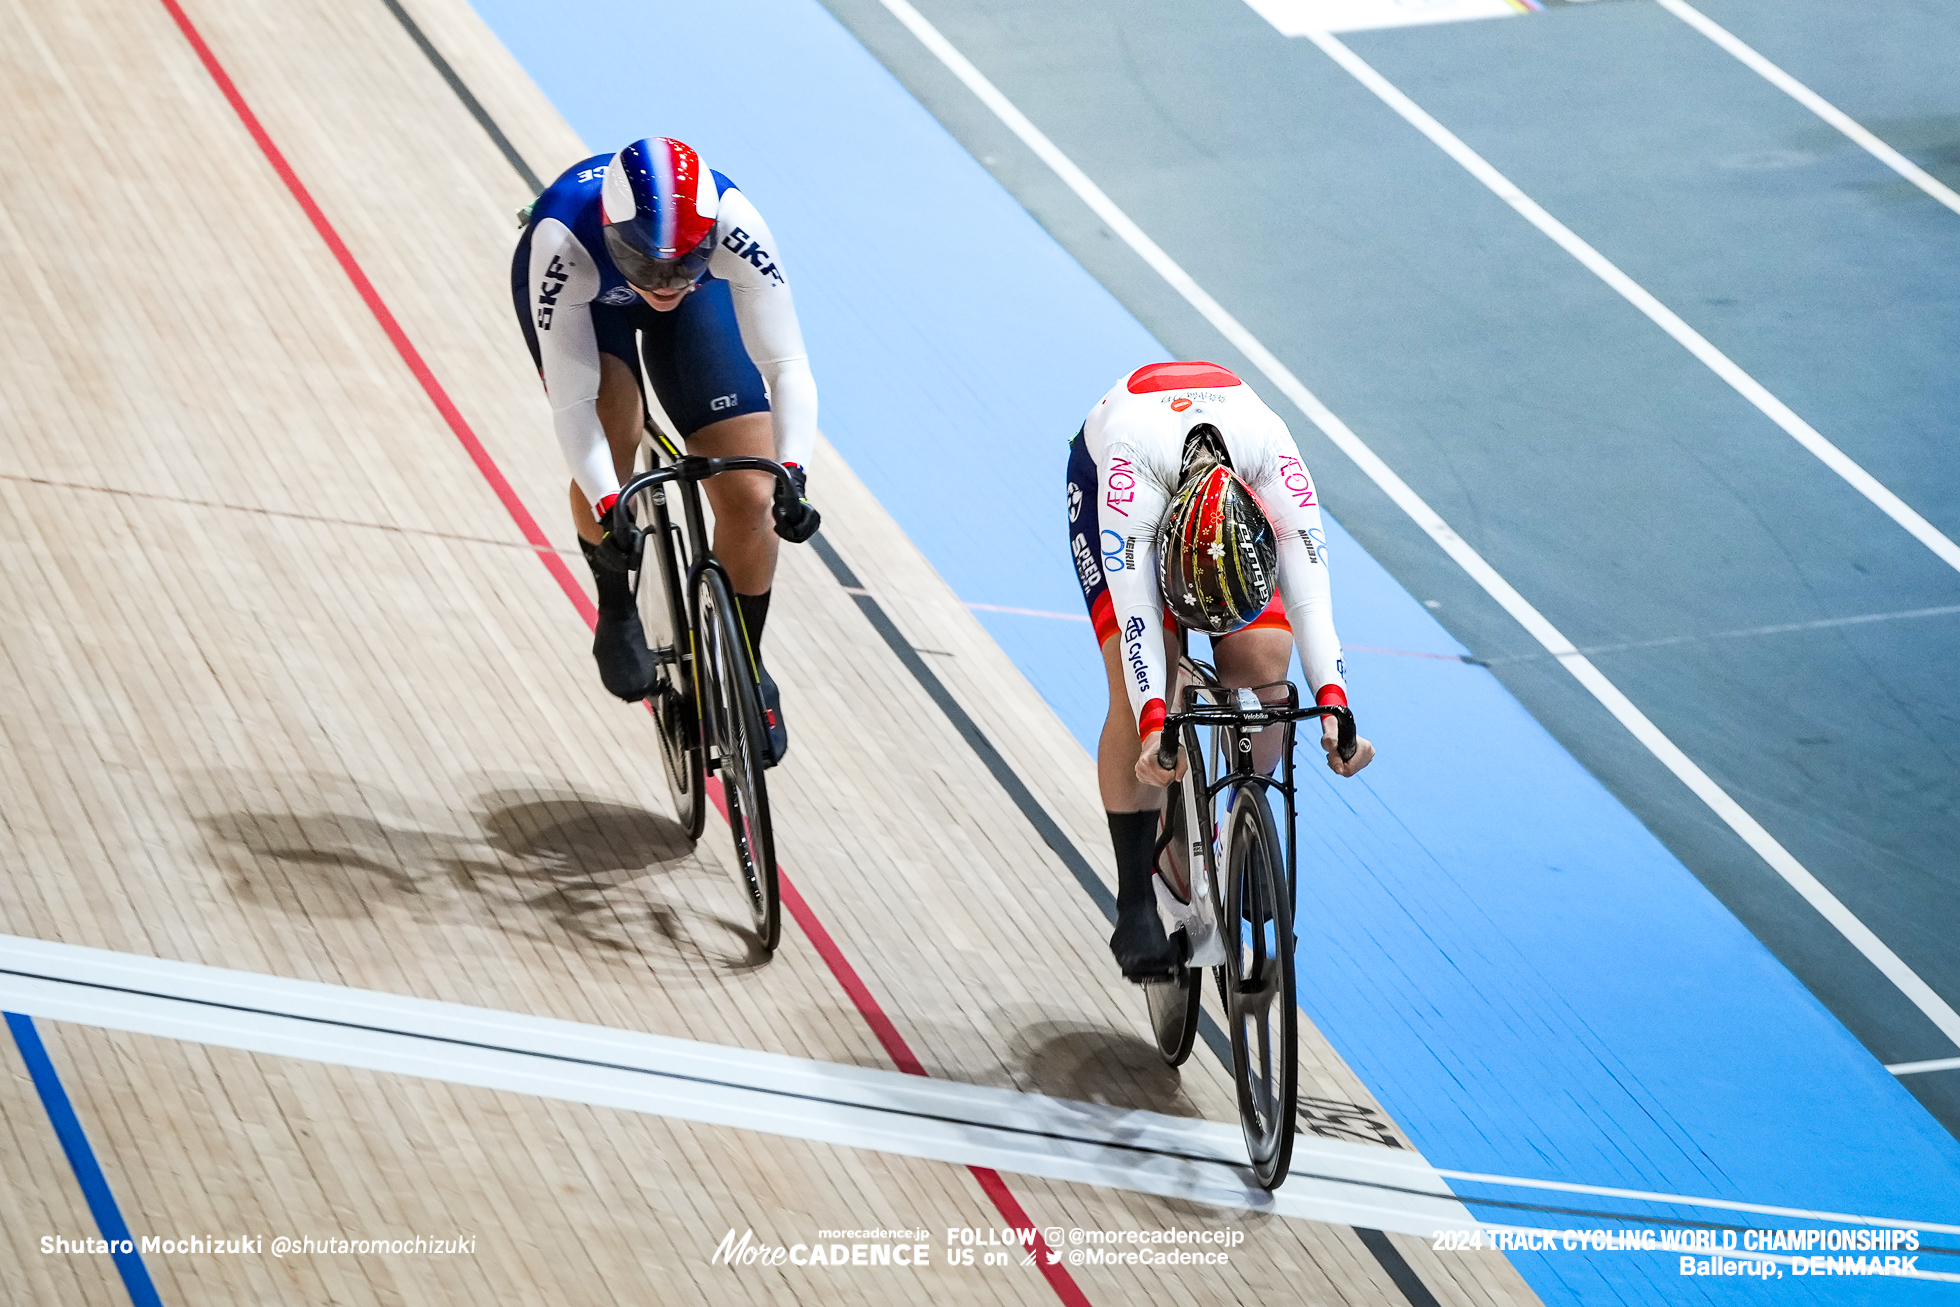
{"points": [[1255, 654], [697, 364]]}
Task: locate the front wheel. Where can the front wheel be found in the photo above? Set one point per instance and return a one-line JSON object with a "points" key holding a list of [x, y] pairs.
{"points": [[731, 707], [1260, 1002]]}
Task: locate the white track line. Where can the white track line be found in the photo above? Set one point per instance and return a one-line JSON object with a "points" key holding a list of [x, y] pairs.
{"points": [[1637, 295], [1026, 612], [1922, 996], [1812, 101], [855, 1107], [848, 1106], [1915, 1068], [1781, 628]]}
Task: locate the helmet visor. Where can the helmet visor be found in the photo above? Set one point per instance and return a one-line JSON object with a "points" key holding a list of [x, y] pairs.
{"points": [[628, 242]]}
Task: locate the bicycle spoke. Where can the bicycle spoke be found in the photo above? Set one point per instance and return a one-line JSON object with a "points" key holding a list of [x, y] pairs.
{"points": [[1257, 992]]}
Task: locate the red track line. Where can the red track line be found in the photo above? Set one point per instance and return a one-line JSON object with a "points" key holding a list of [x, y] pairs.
{"points": [[905, 1060], [396, 336], [840, 966]]}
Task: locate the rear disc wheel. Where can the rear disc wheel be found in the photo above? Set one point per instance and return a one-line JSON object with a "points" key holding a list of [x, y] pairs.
{"points": [[727, 687], [680, 749], [673, 700], [1174, 1003]]}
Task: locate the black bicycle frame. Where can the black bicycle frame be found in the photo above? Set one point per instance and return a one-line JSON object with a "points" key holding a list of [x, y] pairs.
{"points": [[688, 471], [1183, 727]]}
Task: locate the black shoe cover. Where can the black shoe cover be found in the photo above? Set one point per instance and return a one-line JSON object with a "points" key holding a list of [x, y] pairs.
{"points": [[1142, 950], [626, 665], [772, 720]]}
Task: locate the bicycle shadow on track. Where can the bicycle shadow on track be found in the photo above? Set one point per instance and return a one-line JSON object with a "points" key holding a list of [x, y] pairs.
{"points": [[615, 883], [622, 877], [1091, 1064]]}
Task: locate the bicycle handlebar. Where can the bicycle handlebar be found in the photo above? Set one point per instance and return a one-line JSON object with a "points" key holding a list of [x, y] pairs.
{"points": [[1167, 746], [692, 468]]}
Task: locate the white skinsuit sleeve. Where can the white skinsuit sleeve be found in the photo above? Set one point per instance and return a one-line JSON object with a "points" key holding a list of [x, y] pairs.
{"points": [[1132, 503], [1287, 491], [745, 257], [563, 282]]}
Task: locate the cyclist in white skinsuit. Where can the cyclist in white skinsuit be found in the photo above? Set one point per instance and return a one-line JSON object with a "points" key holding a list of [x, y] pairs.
{"points": [[1157, 428]]}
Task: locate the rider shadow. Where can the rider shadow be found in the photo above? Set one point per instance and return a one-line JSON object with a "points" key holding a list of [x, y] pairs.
{"points": [[1098, 1065], [561, 868], [609, 873], [328, 864], [1103, 1066]]}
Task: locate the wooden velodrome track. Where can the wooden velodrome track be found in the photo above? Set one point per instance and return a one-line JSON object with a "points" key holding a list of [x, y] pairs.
{"points": [[285, 689]]}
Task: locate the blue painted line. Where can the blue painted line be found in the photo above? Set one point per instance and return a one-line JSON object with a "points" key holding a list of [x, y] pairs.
{"points": [[1528, 980], [81, 1157]]}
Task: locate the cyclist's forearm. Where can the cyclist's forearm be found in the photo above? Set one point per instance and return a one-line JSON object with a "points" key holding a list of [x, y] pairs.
{"points": [[793, 410], [583, 442]]}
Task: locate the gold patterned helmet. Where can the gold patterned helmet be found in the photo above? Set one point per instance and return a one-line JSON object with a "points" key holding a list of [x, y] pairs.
{"points": [[1217, 557]]}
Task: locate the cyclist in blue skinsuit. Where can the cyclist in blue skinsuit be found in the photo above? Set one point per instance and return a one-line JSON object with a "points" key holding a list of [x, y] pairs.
{"points": [[651, 244]]}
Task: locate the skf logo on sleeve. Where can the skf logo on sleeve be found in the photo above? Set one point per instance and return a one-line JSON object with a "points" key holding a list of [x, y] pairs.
{"points": [[742, 246], [556, 274]]}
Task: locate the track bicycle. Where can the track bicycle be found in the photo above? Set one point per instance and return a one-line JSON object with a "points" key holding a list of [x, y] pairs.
{"points": [[1224, 885], [707, 694]]}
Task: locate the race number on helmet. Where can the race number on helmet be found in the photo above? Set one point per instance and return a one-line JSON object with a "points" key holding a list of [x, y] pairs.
{"points": [[1217, 558], [659, 203]]}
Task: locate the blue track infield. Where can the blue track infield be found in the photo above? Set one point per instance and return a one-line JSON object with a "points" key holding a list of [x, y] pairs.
{"points": [[1530, 982]]}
